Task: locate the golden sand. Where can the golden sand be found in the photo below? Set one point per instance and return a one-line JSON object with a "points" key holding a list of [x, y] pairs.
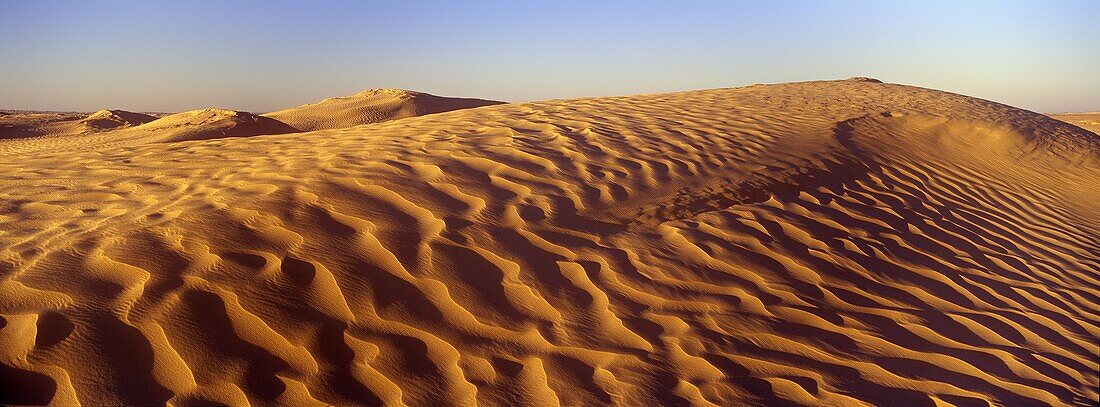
{"points": [[836, 243], [1089, 121]]}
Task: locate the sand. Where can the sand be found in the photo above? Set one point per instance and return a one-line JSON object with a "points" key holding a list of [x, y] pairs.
{"points": [[1089, 121], [370, 106], [16, 125], [29, 132], [838, 242]]}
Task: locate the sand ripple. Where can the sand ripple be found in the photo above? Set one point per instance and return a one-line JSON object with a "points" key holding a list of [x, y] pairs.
{"points": [[844, 242]]}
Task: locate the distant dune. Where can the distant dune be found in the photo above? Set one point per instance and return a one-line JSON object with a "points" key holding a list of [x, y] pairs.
{"points": [[61, 132], [114, 119], [15, 125], [819, 243], [1089, 121], [370, 106], [207, 124], [107, 129]]}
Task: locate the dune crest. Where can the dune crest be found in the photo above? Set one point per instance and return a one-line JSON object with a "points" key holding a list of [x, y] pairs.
{"points": [[836, 243]]}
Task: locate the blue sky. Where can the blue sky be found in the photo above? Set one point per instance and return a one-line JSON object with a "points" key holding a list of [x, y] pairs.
{"points": [[265, 55]]}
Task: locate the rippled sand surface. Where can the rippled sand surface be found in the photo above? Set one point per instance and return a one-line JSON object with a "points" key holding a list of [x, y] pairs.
{"points": [[842, 242]]}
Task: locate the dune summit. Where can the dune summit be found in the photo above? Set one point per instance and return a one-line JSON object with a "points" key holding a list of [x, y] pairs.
{"points": [[837, 242]]}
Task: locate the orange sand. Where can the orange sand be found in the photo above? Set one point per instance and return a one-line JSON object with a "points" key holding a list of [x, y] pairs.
{"points": [[841, 242]]}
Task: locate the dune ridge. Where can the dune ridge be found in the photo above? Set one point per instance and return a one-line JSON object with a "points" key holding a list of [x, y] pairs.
{"points": [[836, 242]]}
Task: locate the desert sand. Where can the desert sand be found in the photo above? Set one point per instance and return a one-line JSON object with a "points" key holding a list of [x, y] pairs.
{"points": [[370, 106], [819, 243], [1089, 120], [51, 131], [17, 125]]}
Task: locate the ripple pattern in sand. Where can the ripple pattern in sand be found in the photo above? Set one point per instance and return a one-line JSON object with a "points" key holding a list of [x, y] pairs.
{"points": [[821, 243]]}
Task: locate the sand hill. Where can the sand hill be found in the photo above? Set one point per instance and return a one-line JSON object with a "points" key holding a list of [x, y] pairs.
{"points": [[65, 132], [113, 119], [370, 106], [207, 124], [820, 243], [15, 125], [1089, 121], [110, 129]]}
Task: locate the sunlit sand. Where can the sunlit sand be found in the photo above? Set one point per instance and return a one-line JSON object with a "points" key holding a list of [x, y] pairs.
{"points": [[818, 243]]}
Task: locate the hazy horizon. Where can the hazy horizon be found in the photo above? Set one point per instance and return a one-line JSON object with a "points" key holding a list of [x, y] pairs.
{"points": [[265, 56]]}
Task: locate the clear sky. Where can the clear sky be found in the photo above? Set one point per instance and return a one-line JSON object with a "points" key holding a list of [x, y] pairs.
{"points": [[264, 55]]}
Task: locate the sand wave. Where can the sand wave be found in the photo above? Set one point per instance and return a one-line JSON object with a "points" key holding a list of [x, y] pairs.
{"points": [[845, 242]]}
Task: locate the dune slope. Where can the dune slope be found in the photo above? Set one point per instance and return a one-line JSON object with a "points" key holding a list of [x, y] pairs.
{"points": [[370, 106], [841, 242]]}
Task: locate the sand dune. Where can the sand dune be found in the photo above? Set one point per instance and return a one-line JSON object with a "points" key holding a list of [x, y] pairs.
{"points": [[15, 125], [38, 124], [115, 129], [839, 242], [370, 106], [113, 119], [207, 124], [1089, 121], [56, 132]]}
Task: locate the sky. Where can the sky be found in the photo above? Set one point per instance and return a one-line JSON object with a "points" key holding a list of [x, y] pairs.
{"points": [[266, 55]]}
